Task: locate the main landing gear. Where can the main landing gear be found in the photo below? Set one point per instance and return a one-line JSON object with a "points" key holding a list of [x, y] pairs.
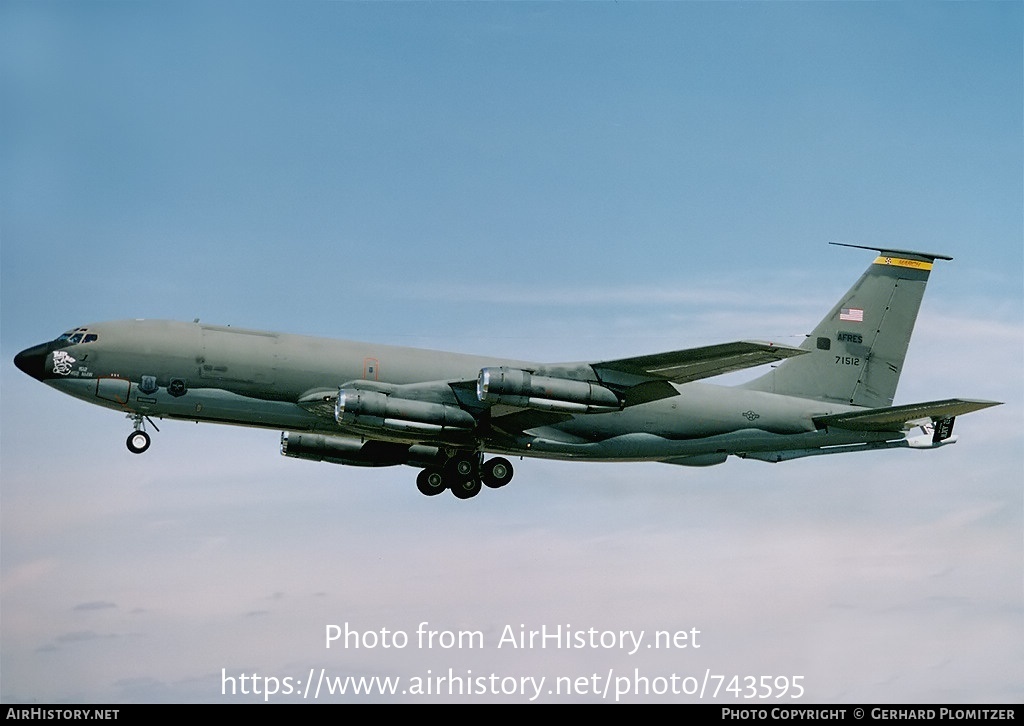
{"points": [[465, 475], [138, 440]]}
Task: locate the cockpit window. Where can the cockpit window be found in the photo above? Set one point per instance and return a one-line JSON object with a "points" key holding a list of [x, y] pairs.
{"points": [[78, 335]]}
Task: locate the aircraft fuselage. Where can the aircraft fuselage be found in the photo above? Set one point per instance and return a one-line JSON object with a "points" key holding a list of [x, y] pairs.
{"points": [[368, 404], [200, 372]]}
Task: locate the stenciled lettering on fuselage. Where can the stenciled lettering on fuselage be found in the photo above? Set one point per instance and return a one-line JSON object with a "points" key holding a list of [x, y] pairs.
{"points": [[844, 337]]}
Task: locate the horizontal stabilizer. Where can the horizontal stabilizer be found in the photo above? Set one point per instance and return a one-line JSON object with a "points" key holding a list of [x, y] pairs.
{"points": [[897, 418], [683, 366], [932, 256]]}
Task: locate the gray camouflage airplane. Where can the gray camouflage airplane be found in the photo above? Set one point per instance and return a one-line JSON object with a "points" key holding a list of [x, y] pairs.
{"points": [[374, 405]]}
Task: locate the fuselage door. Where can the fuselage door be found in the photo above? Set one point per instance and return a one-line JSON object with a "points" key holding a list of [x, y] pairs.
{"points": [[371, 369]]}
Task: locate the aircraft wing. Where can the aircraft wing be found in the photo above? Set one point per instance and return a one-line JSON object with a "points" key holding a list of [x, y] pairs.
{"points": [[899, 418], [646, 378], [683, 366], [633, 381]]}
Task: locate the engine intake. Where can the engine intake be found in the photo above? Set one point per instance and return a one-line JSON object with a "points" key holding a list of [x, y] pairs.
{"points": [[516, 387], [374, 409]]}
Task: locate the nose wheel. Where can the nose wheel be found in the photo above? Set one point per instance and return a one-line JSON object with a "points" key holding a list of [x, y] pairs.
{"points": [[138, 440]]}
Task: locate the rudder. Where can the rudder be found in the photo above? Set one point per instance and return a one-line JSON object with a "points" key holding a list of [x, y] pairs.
{"points": [[857, 350]]}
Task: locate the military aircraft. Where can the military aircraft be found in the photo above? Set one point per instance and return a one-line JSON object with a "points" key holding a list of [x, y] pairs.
{"points": [[364, 404]]}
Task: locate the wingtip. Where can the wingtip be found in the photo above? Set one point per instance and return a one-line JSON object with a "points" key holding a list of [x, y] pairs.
{"points": [[982, 403]]}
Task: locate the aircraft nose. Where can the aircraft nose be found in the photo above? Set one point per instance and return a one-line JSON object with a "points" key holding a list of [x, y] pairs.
{"points": [[33, 360]]}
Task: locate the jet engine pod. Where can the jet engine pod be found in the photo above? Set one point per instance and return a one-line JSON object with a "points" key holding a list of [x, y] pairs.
{"points": [[325, 448], [515, 387], [353, 452], [378, 410]]}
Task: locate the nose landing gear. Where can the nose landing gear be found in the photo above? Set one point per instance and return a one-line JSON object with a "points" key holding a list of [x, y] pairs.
{"points": [[138, 440]]}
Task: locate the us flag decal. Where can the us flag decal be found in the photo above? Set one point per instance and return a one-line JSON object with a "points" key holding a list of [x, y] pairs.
{"points": [[853, 315]]}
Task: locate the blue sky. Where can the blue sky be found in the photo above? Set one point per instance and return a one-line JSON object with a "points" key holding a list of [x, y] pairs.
{"points": [[542, 181]]}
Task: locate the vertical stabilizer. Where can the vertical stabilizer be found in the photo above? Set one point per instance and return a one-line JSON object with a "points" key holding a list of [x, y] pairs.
{"points": [[857, 351]]}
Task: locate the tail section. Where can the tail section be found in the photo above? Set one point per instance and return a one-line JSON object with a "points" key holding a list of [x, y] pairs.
{"points": [[857, 351]]}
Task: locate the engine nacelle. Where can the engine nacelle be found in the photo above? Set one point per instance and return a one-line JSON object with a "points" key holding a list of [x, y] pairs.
{"points": [[352, 452], [516, 387], [374, 409]]}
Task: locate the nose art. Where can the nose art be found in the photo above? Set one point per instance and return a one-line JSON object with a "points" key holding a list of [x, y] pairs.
{"points": [[33, 360]]}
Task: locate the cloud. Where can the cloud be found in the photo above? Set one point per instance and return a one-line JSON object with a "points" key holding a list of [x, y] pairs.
{"points": [[78, 636]]}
